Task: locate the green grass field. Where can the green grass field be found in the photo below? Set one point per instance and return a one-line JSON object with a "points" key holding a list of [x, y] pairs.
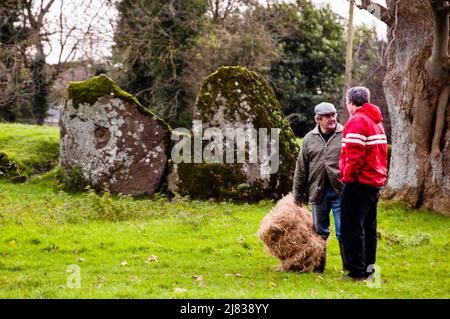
{"points": [[33, 148], [160, 248]]}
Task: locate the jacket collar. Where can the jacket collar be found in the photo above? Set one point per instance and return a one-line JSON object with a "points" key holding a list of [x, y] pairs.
{"points": [[372, 111], [339, 128]]}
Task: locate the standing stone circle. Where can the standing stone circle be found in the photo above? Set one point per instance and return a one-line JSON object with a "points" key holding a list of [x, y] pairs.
{"points": [[116, 143]]}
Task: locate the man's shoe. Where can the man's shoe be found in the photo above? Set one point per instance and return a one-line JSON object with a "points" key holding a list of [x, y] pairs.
{"points": [[321, 268]]}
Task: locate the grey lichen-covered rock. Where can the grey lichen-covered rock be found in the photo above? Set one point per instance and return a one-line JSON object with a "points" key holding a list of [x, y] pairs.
{"points": [[236, 98], [116, 143]]}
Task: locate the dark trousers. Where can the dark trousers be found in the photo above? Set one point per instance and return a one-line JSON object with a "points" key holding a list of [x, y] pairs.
{"points": [[359, 227]]}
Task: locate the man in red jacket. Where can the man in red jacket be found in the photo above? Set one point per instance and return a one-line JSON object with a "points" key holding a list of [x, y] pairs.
{"points": [[363, 170]]}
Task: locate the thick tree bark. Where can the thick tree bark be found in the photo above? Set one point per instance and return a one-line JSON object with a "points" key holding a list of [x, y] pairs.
{"points": [[413, 94]]}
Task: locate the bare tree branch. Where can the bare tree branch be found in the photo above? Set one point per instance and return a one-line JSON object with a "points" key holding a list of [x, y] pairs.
{"points": [[377, 10]]}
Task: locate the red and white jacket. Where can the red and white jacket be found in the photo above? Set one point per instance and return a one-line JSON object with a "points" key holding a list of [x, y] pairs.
{"points": [[364, 148]]}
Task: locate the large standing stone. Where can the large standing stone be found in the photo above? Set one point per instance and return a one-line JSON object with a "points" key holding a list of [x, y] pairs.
{"points": [[234, 97], [116, 142]]}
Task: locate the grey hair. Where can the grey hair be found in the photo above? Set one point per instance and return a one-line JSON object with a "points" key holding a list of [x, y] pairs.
{"points": [[358, 95]]}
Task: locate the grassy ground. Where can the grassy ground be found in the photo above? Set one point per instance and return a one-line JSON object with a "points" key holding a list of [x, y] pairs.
{"points": [[157, 248], [33, 148]]}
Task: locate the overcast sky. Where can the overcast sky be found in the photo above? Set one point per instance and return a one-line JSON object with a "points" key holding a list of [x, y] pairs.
{"points": [[359, 16], [77, 17]]}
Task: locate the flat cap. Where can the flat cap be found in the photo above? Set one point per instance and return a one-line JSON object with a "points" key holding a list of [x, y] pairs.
{"points": [[324, 108]]}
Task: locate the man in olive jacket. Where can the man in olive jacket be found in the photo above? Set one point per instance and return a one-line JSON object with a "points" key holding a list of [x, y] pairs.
{"points": [[316, 178]]}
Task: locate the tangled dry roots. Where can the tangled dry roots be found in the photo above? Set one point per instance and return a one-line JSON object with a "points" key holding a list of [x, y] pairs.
{"points": [[288, 233]]}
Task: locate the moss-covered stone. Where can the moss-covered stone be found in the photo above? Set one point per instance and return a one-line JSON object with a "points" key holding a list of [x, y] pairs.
{"points": [[237, 97], [89, 91], [208, 180], [110, 141]]}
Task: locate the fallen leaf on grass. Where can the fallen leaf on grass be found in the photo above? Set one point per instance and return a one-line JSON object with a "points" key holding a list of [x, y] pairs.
{"points": [[199, 279], [152, 258], [180, 290]]}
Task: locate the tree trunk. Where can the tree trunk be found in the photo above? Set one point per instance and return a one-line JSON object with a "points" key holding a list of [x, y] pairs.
{"points": [[39, 100], [344, 115], [412, 95]]}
